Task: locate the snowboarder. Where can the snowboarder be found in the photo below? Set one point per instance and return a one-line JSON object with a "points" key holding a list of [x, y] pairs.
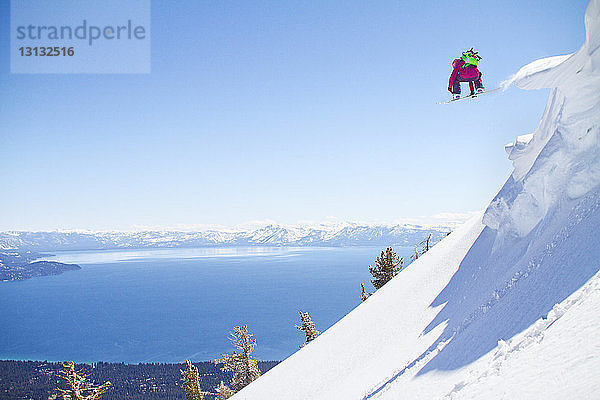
{"points": [[465, 70]]}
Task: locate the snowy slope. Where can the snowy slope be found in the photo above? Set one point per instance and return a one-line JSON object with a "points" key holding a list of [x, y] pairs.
{"points": [[477, 316]]}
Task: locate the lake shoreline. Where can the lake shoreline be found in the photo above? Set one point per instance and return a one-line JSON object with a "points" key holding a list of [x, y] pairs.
{"points": [[160, 305], [18, 265]]}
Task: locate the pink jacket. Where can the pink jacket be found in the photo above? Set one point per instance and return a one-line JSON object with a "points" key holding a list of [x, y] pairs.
{"points": [[469, 72]]}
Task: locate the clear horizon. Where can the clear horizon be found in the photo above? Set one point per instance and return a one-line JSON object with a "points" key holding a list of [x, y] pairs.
{"points": [[439, 220], [275, 111]]}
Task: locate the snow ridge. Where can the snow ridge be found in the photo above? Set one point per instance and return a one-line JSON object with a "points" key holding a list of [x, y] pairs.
{"points": [[563, 152]]}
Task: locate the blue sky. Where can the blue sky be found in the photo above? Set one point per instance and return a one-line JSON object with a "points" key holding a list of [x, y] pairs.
{"points": [[278, 111]]}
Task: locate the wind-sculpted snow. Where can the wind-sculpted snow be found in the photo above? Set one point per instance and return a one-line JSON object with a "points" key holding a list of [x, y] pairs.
{"points": [[476, 316], [560, 161]]}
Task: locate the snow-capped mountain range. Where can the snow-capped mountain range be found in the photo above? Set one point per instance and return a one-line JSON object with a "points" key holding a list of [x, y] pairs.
{"points": [[347, 234]]}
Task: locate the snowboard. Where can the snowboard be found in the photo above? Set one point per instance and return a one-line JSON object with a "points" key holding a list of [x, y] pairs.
{"points": [[471, 96]]}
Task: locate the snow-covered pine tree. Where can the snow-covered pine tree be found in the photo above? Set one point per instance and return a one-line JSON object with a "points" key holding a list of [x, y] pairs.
{"points": [[308, 326], [363, 293], [78, 386], [244, 367], [387, 265], [191, 382], [223, 392]]}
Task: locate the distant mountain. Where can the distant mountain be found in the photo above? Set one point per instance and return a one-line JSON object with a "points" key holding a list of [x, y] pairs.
{"points": [[272, 235]]}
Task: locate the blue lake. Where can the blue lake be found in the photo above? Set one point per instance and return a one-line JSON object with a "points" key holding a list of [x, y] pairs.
{"points": [[168, 305]]}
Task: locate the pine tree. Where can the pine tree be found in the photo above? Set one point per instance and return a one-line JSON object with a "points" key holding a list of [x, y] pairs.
{"points": [[244, 367], [191, 382], [423, 247], [223, 392], [308, 326], [387, 265], [415, 255], [426, 243], [364, 294], [78, 386]]}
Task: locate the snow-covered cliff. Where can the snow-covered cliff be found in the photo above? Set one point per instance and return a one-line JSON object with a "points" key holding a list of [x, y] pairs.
{"points": [[560, 162], [504, 307]]}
